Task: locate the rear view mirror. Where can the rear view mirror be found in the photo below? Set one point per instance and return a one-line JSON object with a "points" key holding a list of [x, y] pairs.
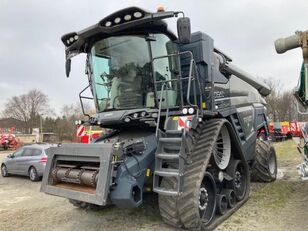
{"points": [[184, 30], [10, 156], [68, 67]]}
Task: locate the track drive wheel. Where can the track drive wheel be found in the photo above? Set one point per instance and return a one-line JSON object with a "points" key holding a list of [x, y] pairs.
{"points": [[265, 169]]}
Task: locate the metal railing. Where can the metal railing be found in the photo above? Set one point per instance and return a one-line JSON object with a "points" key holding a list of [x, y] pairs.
{"points": [[192, 77]]}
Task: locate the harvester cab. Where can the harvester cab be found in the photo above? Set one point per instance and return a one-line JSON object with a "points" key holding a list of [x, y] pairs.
{"points": [[184, 122]]}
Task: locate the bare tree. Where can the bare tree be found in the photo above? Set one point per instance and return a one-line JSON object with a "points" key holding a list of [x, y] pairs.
{"points": [[272, 99], [27, 107]]}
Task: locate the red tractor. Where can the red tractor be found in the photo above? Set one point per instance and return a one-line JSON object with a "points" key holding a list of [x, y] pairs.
{"points": [[8, 140]]}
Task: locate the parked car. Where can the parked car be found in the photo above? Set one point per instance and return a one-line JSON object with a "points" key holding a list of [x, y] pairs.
{"points": [[27, 161]]}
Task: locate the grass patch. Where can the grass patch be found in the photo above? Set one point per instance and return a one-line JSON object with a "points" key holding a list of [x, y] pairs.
{"points": [[275, 195], [287, 153]]}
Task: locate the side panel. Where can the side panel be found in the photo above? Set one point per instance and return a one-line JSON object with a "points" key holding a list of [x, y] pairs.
{"points": [[246, 117], [246, 122]]}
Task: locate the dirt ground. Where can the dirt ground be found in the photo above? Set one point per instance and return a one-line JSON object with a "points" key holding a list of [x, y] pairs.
{"points": [[282, 205]]}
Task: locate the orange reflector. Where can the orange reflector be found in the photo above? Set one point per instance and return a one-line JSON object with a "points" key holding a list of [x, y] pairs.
{"points": [[160, 8]]}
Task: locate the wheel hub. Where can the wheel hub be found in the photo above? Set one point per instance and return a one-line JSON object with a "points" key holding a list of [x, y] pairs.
{"points": [[237, 179], [203, 199], [272, 163], [32, 174]]}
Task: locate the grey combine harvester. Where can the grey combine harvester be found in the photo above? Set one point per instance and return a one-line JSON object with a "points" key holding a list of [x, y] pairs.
{"points": [[183, 122]]}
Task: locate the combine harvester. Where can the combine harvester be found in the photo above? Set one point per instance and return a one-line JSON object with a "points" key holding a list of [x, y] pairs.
{"points": [[185, 122], [300, 39]]}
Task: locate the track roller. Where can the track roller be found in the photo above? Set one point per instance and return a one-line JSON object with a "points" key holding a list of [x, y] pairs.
{"points": [[240, 178], [207, 198], [222, 204], [230, 195]]}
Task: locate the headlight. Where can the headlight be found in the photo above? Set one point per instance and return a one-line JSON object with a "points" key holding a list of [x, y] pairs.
{"points": [[117, 20], [191, 110], [184, 111], [137, 14], [108, 24], [127, 17]]}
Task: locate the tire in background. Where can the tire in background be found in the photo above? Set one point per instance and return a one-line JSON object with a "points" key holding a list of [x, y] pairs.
{"points": [[33, 174], [265, 168], [4, 172]]}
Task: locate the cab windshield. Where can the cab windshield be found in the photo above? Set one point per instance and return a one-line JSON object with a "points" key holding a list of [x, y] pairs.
{"points": [[121, 71]]}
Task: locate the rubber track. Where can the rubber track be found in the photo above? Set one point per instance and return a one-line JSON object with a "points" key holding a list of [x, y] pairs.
{"points": [[183, 212], [261, 169], [206, 135], [168, 205]]}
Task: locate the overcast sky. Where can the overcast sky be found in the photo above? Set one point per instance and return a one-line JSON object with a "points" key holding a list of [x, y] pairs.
{"points": [[32, 55]]}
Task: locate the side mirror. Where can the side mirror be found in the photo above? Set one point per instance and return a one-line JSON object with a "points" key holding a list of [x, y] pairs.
{"points": [[184, 30], [10, 156], [68, 67]]}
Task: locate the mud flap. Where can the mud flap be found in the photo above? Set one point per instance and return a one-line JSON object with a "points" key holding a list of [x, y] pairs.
{"points": [[80, 172]]}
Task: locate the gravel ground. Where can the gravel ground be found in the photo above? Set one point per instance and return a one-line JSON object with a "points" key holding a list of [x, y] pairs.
{"points": [[282, 205]]}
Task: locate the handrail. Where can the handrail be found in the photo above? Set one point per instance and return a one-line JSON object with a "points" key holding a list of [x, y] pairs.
{"points": [[189, 83], [159, 109], [84, 97], [193, 75], [192, 66]]}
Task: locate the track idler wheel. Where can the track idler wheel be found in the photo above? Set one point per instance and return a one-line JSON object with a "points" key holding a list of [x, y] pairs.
{"points": [[207, 198], [238, 170], [222, 204], [230, 195]]}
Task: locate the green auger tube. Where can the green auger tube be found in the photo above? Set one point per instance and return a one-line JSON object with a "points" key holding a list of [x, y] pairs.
{"points": [[300, 93]]}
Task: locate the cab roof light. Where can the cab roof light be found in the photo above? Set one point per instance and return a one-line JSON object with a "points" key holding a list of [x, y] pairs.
{"points": [[122, 17]]}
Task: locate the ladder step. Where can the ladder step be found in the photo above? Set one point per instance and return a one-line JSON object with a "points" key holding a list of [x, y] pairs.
{"points": [[170, 140], [174, 132], [165, 192], [172, 148], [168, 156], [167, 173]]}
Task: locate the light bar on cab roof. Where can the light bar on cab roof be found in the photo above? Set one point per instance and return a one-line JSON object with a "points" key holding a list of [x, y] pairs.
{"points": [[122, 17]]}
